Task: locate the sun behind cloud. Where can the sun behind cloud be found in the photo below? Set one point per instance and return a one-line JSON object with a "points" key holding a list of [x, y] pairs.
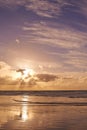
{"points": [[25, 73]]}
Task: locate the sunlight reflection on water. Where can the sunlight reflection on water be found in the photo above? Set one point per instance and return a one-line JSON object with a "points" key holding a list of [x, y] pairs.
{"points": [[22, 116]]}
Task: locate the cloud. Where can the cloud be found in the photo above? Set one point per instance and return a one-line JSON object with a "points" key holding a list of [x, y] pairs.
{"points": [[47, 8], [10, 77], [43, 8], [67, 46], [46, 77], [82, 7], [63, 37], [17, 41], [3, 65], [8, 81], [58, 42]]}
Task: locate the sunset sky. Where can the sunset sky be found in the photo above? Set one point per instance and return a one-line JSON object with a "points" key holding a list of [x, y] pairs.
{"points": [[45, 38]]}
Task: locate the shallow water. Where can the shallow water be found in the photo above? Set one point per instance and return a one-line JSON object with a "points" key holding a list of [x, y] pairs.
{"points": [[24, 112]]}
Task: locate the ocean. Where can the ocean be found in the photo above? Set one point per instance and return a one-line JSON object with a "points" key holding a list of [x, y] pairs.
{"points": [[43, 110]]}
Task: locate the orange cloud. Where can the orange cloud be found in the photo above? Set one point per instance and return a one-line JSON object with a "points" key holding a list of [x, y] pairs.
{"points": [[41, 81]]}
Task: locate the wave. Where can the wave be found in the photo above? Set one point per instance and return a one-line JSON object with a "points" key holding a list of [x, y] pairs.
{"points": [[69, 94], [52, 103]]}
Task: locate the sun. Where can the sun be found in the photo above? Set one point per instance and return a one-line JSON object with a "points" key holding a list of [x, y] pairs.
{"points": [[28, 73], [24, 73]]}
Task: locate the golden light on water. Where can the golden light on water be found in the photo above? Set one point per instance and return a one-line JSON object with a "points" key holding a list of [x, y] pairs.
{"points": [[24, 112]]}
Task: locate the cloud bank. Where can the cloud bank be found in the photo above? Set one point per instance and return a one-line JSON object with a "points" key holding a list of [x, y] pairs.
{"points": [[63, 81]]}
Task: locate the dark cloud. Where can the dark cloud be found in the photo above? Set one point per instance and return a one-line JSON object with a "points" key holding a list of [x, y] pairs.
{"points": [[46, 77], [33, 81]]}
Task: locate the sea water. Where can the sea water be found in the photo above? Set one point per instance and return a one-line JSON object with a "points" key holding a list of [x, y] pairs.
{"points": [[45, 110]]}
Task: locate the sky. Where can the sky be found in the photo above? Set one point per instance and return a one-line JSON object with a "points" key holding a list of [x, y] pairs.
{"points": [[48, 37]]}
